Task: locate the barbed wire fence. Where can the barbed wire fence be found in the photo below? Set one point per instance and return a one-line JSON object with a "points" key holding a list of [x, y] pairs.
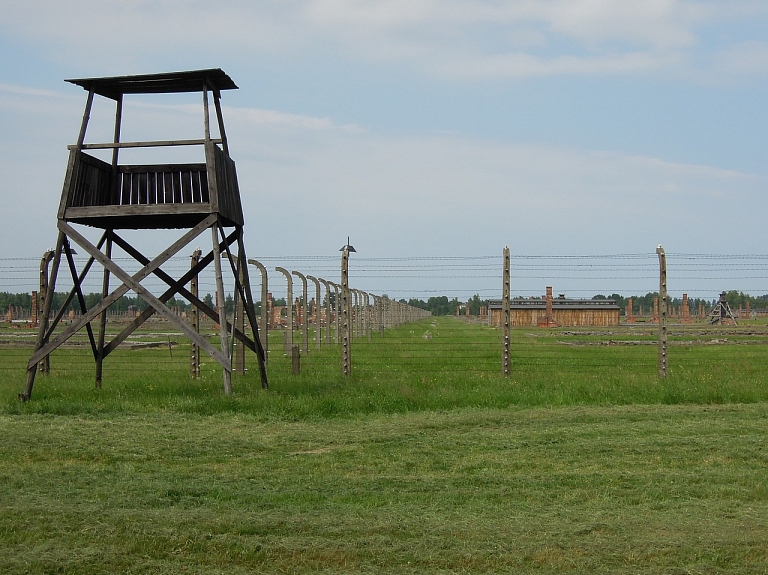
{"points": [[397, 280]]}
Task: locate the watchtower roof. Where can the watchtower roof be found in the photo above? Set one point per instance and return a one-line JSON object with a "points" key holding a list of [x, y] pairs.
{"points": [[169, 82]]}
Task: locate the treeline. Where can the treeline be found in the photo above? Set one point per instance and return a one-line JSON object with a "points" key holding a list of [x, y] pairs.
{"points": [[646, 302], [438, 305], [441, 305], [122, 305], [734, 298]]}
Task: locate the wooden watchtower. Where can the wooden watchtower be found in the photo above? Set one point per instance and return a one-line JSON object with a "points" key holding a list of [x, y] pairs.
{"points": [[722, 313], [192, 198]]}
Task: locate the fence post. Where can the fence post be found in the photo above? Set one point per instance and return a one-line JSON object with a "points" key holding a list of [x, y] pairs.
{"points": [[505, 315], [304, 318], [663, 359], [346, 358], [318, 335], [296, 359], [194, 350], [375, 313], [380, 311], [359, 313], [45, 363], [367, 317], [289, 311], [336, 289], [264, 317], [328, 314]]}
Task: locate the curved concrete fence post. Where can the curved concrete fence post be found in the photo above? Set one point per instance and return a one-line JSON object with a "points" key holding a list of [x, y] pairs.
{"points": [[376, 317], [328, 314], [238, 318], [289, 309], [359, 312], [318, 334], [336, 288], [263, 318], [364, 311], [367, 317], [304, 319], [361, 308]]}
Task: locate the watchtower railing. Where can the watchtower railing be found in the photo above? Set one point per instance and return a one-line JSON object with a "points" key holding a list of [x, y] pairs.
{"points": [[95, 189]]}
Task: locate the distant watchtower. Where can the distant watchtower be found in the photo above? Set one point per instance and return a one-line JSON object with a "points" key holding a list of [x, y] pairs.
{"points": [[112, 197]]}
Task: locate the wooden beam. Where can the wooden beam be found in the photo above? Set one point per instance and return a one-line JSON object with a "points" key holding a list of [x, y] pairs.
{"points": [[132, 282], [220, 118], [176, 287], [86, 117], [146, 144], [118, 123], [69, 231], [71, 296], [92, 212], [41, 332], [80, 297], [103, 319], [251, 311], [227, 364]]}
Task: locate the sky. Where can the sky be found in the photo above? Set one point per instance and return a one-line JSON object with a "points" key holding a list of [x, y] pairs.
{"points": [[426, 130]]}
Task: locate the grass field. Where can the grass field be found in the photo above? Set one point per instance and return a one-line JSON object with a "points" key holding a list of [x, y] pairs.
{"points": [[425, 460]]}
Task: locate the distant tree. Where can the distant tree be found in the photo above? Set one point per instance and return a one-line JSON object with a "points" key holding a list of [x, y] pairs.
{"points": [[475, 303]]}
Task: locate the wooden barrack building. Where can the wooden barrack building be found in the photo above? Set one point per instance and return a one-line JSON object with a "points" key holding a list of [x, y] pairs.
{"points": [[553, 312]]}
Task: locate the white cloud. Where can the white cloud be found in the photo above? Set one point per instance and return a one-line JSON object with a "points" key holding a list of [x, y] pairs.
{"points": [[659, 24], [455, 193], [27, 91], [524, 65], [502, 39], [260, 117]]}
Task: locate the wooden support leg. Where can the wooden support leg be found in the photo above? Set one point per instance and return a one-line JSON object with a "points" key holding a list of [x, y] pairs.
{"points": [[77, 279], [103, 319], [227, 368], [261, 355], [240, 322]]}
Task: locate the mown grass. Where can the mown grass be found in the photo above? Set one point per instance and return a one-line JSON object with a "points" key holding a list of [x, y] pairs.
{"points": [[426, 459], [629, 489]]}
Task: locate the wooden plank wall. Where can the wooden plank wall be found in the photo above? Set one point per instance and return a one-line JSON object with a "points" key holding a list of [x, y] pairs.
{"points": [[567, 317]]}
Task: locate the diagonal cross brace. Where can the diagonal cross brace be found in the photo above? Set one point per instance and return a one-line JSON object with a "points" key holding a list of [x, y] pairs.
{"points": [[69, 231], [86, 268], [176, 287], [133, 284], [244, 288], [80, 297]]}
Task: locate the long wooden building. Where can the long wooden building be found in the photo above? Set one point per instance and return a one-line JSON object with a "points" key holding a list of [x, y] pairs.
{"points": [[553, 312]]}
